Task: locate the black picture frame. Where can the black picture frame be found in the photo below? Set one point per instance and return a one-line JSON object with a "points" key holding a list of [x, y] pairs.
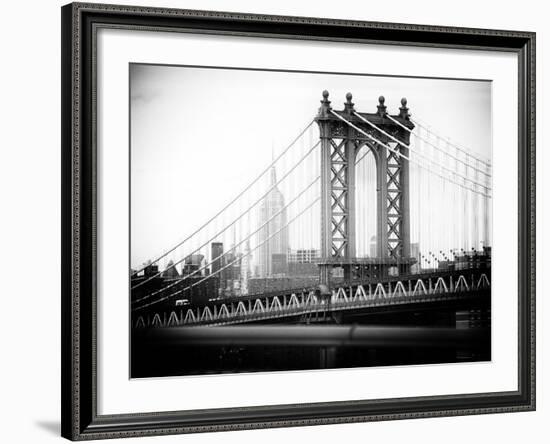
{"points": [[79, 386]]}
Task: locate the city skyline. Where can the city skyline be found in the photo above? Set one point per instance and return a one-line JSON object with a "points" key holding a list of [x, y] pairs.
{"points": [[158, 222]]}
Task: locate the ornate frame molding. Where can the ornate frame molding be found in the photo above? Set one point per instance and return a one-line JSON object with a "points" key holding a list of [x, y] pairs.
{"points": [[80, 420]]}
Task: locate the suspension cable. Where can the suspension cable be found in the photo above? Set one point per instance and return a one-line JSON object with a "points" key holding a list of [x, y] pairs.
{"points": [[233, 248], [230, 203], [405, 157], [418, 122], [368, 122], [443, 151], [223, 230], [231, 263], [363, 156]]}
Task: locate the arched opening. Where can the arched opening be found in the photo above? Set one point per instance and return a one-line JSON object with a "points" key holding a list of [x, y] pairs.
{"points": [[365, 203]]}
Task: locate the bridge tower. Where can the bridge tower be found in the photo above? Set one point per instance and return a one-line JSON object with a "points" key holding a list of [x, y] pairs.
{"points": [[340, 143]]}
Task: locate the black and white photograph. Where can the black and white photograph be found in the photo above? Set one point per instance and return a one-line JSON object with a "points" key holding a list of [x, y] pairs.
{"points": [[293, 220], [274, 222]]}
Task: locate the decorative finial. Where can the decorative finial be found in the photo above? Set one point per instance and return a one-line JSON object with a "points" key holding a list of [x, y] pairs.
{"points": [[381, 106], [324, 110], [404, 111], [348, 105]]}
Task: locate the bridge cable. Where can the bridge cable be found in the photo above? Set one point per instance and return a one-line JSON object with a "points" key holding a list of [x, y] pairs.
{"points": [[229, 204], [458, 159], [223, 230], [435, 162], [423, 124], [231, 249], [231, 263], [405, 157]]}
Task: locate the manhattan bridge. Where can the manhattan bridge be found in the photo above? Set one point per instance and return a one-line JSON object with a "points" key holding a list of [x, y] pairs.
{"points": [[363, 215]]}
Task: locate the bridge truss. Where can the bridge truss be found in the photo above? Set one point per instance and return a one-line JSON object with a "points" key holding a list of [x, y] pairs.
{"points": [[411, 290]]}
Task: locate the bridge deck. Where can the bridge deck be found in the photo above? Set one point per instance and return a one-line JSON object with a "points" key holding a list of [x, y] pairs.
{"points": [[407, 290]]}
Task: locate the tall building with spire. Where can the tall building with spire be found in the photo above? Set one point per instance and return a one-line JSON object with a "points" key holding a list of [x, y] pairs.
{"points": [[245, 269], [273, 237]]}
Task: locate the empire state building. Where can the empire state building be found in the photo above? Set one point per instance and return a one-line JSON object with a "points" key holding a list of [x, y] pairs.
{"points": [[273, 237]]}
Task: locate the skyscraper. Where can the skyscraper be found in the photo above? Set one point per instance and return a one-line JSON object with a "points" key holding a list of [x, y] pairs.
{"points": [[217, 251], [273, 237], [245, 269]]}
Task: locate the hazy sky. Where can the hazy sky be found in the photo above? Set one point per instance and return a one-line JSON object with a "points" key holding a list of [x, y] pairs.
{"points": [[199, 135]]}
